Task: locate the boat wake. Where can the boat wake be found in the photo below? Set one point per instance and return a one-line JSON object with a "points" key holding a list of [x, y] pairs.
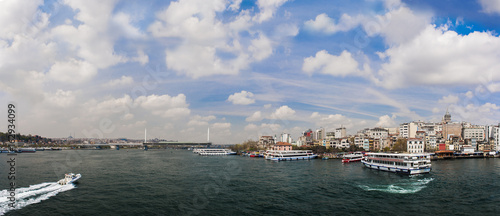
{"points": [[407, 187], [30, 195]]}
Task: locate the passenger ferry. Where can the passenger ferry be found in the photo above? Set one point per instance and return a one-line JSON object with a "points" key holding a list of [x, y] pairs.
{"points": [[215, 152], [356, 157], [399, 163], [289, 155]]}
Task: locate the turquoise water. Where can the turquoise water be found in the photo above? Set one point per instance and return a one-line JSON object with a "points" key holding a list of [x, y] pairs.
{"points": [[178, 182]]}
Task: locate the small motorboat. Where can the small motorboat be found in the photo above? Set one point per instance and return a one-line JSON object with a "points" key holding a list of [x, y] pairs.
{"points": [[69, 178]]}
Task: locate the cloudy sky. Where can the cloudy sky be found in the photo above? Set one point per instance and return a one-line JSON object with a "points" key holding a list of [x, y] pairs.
{"points": [[245, 68]]}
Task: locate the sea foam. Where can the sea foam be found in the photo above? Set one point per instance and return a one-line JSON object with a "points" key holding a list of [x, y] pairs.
{"points": [[32, 194], [406, 187]]}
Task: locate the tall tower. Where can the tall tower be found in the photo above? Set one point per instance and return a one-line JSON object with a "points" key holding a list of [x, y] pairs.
{"points": [[144, 134], [208, 135], [447, 117]]}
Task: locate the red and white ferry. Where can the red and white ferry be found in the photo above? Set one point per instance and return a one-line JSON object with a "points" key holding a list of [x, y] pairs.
{"points": [[356, 157]]}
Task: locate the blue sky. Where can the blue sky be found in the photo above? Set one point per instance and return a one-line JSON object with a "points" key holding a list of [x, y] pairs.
{"points": [[245, 68]]}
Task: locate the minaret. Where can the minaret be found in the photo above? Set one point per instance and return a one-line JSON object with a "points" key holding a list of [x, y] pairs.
{"points": [[144, 134], [208, 135]]}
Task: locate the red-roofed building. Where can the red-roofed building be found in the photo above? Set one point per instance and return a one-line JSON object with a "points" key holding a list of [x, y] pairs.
{"points": [[282, 146]]}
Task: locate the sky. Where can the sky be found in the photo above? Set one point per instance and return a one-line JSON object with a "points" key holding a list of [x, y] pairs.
{"points": [[110, 69]]}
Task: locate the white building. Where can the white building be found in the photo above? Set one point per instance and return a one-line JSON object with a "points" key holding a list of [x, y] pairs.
{"points": [[319, 134], [358, 141], [286, 138], [378, 133], [431, 142], [366, 144], [476, 132], [415, 145], [497, 137], [340, 133]]}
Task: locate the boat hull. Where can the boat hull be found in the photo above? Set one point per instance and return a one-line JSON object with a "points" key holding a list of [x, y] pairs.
{"points": [[345, 160], [294, 158], [409, 171]]}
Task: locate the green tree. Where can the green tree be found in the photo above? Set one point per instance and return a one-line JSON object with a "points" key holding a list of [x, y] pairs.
{"points": [[400, 145]]}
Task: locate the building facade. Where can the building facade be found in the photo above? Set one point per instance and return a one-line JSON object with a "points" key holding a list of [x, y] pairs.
{"points": [[415, 145]]}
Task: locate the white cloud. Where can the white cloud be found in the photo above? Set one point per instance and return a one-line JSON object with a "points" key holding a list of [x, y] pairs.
{"points": [[324, 24], [242, 98], [93, 40], [284, 112], [141, 57], [261, 47], [439, 56], [61, 98], [480, 114], [72, 71], [256, 116], [251, 127], [267, 9], [393, 25], [164, 105], [490, 6], [450, 99], [19, 17], [198, 120], [325, 63], [235, 5], [264, 128], [209, 46], [330, 121], [123, 81], [386, 121]]}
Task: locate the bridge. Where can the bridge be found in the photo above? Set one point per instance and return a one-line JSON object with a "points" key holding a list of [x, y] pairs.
{"points": [[175, 144]]}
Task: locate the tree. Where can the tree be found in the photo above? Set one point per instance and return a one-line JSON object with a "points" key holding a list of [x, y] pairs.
{"points": [[400, 145]]}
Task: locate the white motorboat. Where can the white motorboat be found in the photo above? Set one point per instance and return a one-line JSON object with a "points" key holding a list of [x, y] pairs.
{"points": [[69, 178]]}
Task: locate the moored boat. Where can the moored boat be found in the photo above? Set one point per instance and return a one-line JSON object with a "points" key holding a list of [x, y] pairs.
{"points": [[276, 155], [26, 150], [399, 163], [356, 157], [215, 152]]}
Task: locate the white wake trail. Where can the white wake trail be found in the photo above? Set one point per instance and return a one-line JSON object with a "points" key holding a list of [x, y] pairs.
{"points": [[32, 194]]}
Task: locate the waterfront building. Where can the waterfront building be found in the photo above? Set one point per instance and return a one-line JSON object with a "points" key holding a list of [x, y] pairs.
{"points": [[265, 141], [285, 137], [415, 145], [330, 135], [408, 130], [340, 132], [477, 132], [319, 134], [358, 141], [497, 138], [378, 133], [367, 144], [431, 142], [393, 130], [452, 130], [282, 146]]}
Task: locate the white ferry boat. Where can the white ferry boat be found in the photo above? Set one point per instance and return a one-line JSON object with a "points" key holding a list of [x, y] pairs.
{"points": [[356, 157], [215, 152], [69, 178], [289, 155], [398, 163]]}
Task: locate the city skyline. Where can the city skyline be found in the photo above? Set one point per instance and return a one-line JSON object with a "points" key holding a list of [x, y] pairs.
{"points": [[245, 68]]}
